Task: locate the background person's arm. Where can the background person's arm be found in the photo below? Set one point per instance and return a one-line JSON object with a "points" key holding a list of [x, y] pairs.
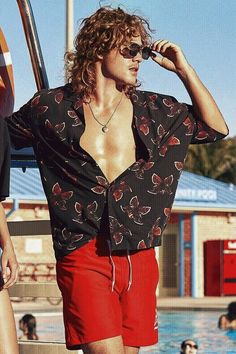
{"points": [[9, 263]]}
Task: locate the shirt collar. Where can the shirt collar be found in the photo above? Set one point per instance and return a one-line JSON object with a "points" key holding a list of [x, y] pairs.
{"points": [[141, 116]]}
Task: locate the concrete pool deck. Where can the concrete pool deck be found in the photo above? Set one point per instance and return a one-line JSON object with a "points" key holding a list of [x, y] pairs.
{"points": [[165, 303], [188, 303]]}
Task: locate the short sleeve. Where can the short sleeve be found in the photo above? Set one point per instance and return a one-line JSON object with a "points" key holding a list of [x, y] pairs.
{"points": [[4, 160], [202, 133], [20, 124]]}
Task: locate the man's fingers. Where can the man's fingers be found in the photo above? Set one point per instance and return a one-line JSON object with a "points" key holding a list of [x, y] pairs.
{"points": [[158, 45], [162, 45], [165, 47], [158, 59]]}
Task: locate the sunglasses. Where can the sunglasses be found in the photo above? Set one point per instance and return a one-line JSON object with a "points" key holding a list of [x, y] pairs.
{"points": [[192, 346], [134, 49]]}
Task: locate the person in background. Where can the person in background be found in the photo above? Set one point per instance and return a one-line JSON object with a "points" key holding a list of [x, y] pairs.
{"points": [[8, 262], [223, 322], [227, 321], [189, 346], [27, 325]]}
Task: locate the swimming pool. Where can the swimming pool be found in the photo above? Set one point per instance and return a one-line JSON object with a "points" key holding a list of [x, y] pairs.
{"points": [[174, 326]]}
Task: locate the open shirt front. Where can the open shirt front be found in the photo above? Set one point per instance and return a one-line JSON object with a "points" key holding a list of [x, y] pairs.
{"points": [[135, 207]]}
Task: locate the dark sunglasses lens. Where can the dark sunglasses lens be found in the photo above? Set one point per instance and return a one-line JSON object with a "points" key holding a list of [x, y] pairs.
{"points": [[133, 52], [134, 48], [130, 52], [195, 346], [126, 52], [146, 52]]}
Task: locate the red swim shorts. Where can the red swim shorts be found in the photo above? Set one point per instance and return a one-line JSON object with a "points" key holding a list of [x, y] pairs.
{"points": [[107, 295]]}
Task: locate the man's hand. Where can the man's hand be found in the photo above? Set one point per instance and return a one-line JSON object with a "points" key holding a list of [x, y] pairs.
{"points": [[9, 266], [204, 105], [172, 58]]}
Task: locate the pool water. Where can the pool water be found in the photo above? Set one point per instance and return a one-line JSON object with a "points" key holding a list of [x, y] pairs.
{"points": [[174, 327]]}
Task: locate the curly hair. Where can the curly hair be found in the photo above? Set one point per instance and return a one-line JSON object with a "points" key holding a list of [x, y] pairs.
{"points": [[106, 29]]}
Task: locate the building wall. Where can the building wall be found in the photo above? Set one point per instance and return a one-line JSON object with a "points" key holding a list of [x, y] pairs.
{"points": [[35, 248], [34, 253], [168, 262], [35, 256], [172, 228], [212, 226], [27, 211]]}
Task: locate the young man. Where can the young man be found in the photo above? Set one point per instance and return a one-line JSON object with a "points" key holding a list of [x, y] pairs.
{"points": [[189, 346], [8, 263], [110, 159]]}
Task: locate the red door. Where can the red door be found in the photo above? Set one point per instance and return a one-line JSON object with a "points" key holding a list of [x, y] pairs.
{"points": [[229, 267], [213, 261]]}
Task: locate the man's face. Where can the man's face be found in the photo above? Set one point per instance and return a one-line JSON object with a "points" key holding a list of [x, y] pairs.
{"points": [[190, 347], [120, 67], [21, 325], [224, 323]]}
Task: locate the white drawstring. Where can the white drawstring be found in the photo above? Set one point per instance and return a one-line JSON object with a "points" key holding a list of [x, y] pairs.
{"points": [[130, 271], [113, 274], [113, 267]]}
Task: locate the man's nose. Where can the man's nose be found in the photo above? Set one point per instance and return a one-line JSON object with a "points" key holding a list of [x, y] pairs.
{"points": [[138, 57]]}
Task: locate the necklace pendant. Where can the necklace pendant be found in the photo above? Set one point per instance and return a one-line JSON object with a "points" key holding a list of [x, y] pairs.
{"points": [[105, 129]]}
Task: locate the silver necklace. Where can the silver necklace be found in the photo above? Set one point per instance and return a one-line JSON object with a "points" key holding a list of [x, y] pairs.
{"points": [[105, 128]]}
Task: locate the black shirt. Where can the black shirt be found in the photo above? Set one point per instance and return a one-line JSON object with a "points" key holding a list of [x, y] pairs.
{"points": [[4, 160], [133, 210]]}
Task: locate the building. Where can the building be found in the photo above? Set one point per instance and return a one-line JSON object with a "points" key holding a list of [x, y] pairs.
{"points": [[204, 210]]}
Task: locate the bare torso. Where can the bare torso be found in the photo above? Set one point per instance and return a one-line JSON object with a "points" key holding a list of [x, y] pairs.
{"points": [[113, 151]]}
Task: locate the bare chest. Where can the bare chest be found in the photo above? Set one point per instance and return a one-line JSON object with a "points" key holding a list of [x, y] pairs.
{"points": [[113, 150]]}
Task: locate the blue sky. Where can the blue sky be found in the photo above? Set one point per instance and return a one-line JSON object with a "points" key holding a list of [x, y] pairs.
{"points": [[205, 29]]}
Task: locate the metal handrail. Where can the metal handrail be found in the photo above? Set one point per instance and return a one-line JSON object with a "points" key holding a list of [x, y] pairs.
{"points": [[39, 71], [33, 44]]}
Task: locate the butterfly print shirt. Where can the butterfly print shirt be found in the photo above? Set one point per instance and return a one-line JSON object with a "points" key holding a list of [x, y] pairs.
{"points": [[4, 160], [135, 207]]}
